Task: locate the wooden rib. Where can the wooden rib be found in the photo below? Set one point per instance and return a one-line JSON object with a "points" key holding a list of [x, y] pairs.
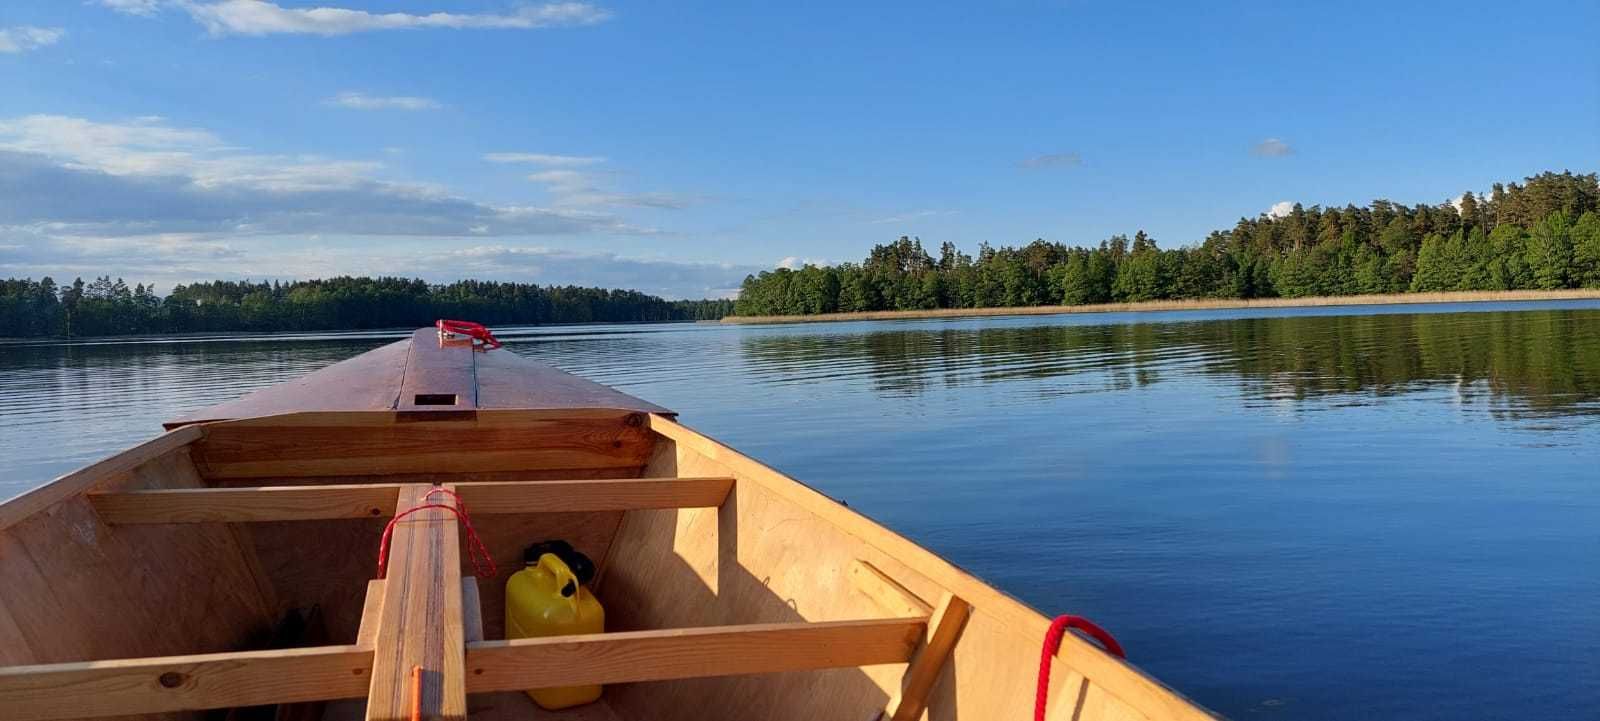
{"points": [[368, 500], [631, 656], [420, 622], [944, 630], [886, 592], [24, 505], [371, 614], [181, 683]]}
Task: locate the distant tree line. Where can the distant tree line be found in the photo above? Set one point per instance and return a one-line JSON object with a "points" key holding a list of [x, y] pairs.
{"points": [[109, 307], [1542, 234]]}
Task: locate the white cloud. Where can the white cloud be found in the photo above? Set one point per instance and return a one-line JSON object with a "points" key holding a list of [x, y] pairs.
{"points": [[544, 159], [910, 216], [795, 262], [77, 176], [22, 38], [669, 278], [144, 8], [363, 101], [1281, 209], [258, 17], [569, 187], [1272, 148], [1052, 160], [168, 259], [1456, 202]]}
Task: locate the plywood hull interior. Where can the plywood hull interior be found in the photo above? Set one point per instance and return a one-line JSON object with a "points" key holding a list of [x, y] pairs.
{"points": [[774, 555]]}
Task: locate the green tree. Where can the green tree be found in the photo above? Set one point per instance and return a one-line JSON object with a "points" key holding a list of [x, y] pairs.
{"points": [[1139, 276], [1549, 251], [1585, 251]]}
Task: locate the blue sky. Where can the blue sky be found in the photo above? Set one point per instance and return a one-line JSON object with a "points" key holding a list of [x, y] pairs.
{"points": [[675, 147]]}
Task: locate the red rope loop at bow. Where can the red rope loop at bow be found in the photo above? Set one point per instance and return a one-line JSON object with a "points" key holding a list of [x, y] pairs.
{"points": [[476, 331], [1052, 643], [483, 565]]}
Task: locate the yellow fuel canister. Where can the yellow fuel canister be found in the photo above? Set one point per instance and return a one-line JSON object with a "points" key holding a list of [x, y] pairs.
{"points": [[547, 599]]}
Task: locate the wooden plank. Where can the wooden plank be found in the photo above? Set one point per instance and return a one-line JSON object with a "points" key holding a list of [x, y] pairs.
{"points": [[440, 376], [944, 630], [329, 444], [369, 381], [626, 494], [240, 505], [371, 614], [631, 656], [421, 621], [26, 504], [183, 683], [369, 500]]}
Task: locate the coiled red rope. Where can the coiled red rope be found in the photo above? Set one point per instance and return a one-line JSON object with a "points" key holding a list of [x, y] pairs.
{"points": [[483, 565], [1052, 643], [476, 331]]}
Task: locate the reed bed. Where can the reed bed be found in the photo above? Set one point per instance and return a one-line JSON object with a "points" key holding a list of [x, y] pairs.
{"points": [[1471, 296]]}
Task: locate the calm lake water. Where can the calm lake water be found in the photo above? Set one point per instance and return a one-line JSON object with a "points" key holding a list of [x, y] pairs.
{"points": [[1334, 513]]}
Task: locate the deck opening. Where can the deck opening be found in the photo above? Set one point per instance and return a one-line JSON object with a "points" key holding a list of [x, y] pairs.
{"points": [[434, 399]]}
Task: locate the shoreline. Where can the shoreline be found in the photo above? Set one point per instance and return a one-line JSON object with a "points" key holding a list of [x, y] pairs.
{"points": [[1465, 296]]}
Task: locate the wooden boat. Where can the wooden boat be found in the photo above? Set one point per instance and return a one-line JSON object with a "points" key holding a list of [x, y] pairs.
{"points": [[229, 564]]}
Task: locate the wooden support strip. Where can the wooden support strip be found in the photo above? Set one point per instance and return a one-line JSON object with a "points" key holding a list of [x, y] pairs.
{"points": [[182, 683], [886, 592], [371, 614], [630, 656], [369, 500], [471, 610], [420, 623], [944, 630], [238, 505]]}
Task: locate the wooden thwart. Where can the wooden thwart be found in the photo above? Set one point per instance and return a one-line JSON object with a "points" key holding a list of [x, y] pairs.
{"points": [[632, 656], [180, 683], [227, 680], [372, 500]]}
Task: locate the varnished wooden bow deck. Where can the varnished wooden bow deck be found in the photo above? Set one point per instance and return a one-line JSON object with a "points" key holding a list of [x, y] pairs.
{"points": [[720, 575]]}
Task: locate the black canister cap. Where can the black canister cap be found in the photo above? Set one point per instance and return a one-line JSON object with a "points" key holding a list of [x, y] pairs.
{"points": [[579, 564]]}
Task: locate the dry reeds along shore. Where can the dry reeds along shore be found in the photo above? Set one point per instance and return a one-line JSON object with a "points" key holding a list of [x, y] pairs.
{"points": [[1470, 296]]}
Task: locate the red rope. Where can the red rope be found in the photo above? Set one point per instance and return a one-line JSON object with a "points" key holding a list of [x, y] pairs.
{"points": [[486, 340], [483, 565], [1052, 643]]}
